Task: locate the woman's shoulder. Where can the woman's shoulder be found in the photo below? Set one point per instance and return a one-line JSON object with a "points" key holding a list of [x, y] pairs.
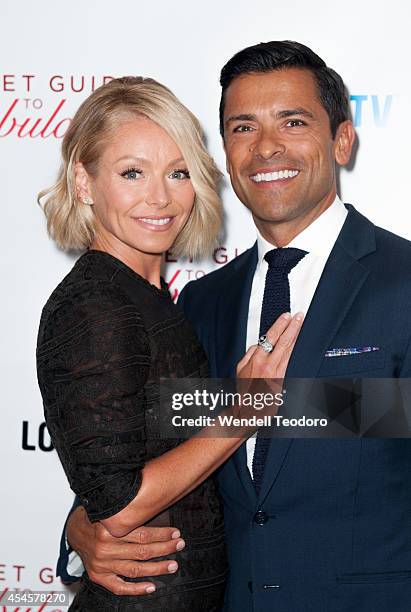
{"points": [[88, 290], [91, 275]]}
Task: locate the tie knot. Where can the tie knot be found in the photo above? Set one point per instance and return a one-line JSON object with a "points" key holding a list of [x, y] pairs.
{"points": [[284, 259]]}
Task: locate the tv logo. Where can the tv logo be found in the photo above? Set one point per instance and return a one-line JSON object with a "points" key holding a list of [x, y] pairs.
{"points": [[364, 107]]}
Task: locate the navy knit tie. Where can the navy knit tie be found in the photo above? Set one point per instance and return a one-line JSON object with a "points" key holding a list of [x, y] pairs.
{"points": [[276, 300]]}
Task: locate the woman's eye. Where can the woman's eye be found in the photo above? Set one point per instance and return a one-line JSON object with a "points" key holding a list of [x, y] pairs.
{"points": [[132, 174], [180, 174], [243, 128]]}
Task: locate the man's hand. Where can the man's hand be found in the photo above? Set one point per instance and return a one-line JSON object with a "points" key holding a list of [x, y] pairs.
{"points": [[106, 557]]}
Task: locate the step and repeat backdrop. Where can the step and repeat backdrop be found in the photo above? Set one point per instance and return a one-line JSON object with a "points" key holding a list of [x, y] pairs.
{"points": [[53, 55]]}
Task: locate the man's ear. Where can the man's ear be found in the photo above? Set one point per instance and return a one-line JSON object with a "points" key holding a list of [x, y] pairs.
{"points": [[343, 142], [82, 181]]}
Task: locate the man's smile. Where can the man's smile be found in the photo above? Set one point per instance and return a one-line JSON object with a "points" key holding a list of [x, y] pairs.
{"points": [[279, 175]]}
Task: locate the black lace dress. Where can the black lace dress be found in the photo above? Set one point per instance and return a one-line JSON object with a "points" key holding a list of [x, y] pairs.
{"points": [[106, 337]]}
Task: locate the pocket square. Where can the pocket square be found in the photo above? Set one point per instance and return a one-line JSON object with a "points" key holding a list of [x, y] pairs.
{"points": [[356, 350]]}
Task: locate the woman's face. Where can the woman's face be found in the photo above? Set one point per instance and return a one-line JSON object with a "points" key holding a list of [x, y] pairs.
{"points": [[142, 192]]}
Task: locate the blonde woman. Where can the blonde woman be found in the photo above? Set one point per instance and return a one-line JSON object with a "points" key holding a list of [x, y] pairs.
{"points": [[135, 181]]}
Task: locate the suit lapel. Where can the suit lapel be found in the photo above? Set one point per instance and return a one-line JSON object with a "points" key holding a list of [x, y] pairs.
{"points": [[243, 473], [342, 279], [231, 337], [339, 285], [232, 313]]}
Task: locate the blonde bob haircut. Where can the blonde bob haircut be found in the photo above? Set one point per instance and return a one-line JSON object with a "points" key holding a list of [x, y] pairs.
{"points": [[70, 222]]}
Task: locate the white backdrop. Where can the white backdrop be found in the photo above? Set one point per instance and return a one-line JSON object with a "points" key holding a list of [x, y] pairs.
{"points": [[48, 50]]}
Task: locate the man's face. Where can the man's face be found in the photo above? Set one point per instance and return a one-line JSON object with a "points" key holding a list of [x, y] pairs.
{"points": [[280, 151]]}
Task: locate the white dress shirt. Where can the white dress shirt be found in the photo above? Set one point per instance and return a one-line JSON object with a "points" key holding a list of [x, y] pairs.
{"points": [[318, 240]]}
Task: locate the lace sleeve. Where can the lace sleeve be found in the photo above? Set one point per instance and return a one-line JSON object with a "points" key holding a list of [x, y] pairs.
{"points": [[93, 360]]}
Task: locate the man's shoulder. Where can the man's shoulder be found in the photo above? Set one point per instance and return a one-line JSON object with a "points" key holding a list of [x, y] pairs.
{"points": [[394, 251], [389, 240], [213, 280], [378, 247], [203, 293]]}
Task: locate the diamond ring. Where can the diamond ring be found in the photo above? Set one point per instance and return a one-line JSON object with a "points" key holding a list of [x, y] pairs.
{"points": [[265, 344]]}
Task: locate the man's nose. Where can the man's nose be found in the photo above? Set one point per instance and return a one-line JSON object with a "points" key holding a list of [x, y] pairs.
{"points": [[158, 193], [269, 144]]}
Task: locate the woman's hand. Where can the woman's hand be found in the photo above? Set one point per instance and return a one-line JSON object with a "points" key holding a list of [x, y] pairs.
{"points": [[260, 372], [257, 363]]}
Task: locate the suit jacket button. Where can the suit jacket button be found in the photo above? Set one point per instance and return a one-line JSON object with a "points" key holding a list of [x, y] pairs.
{"points": [[260, 517]]}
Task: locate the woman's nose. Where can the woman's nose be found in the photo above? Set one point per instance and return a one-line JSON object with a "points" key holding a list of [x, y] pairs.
{"points": [[158, 194]]}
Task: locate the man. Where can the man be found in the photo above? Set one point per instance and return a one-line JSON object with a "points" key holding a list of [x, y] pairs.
{"points": [[328, 526]]}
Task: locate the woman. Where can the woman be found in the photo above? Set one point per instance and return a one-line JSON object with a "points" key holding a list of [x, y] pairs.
{"points": [[135, 180]]}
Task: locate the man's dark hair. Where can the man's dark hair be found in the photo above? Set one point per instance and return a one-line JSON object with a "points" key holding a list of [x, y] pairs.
{"points": [[277, 55]]}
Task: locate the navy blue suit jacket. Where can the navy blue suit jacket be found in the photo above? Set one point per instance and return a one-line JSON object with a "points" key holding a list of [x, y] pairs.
{"points": [[335, 533]]}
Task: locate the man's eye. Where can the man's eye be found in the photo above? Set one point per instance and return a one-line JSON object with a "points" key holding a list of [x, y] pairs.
{"points": [[180, 174], [295, 122], [132, 174], [242, 128]]}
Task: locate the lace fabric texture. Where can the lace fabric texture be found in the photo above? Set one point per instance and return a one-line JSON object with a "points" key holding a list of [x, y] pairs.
{"points": [[106, 337]]}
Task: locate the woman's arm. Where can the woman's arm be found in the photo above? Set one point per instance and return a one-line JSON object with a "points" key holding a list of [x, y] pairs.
{"points": [[93, 361], [174, 474]]}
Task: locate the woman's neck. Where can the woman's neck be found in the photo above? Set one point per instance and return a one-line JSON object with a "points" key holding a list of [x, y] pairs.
{"points": [[147, 265]]}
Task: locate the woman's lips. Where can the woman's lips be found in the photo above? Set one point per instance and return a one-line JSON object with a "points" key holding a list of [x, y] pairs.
{"points": [[156, 224]]}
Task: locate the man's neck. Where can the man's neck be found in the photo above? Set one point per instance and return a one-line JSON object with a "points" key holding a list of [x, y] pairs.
{"points": [[280, 234]]}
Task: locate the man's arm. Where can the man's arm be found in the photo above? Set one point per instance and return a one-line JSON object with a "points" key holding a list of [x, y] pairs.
{"points": [[69, 565], [405, 383]]}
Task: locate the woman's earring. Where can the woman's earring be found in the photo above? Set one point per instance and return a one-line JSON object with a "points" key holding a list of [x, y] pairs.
{"points": [[88, 201]]}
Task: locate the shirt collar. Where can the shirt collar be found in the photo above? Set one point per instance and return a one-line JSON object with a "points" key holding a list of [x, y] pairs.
{"points": [[318, 238]]}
